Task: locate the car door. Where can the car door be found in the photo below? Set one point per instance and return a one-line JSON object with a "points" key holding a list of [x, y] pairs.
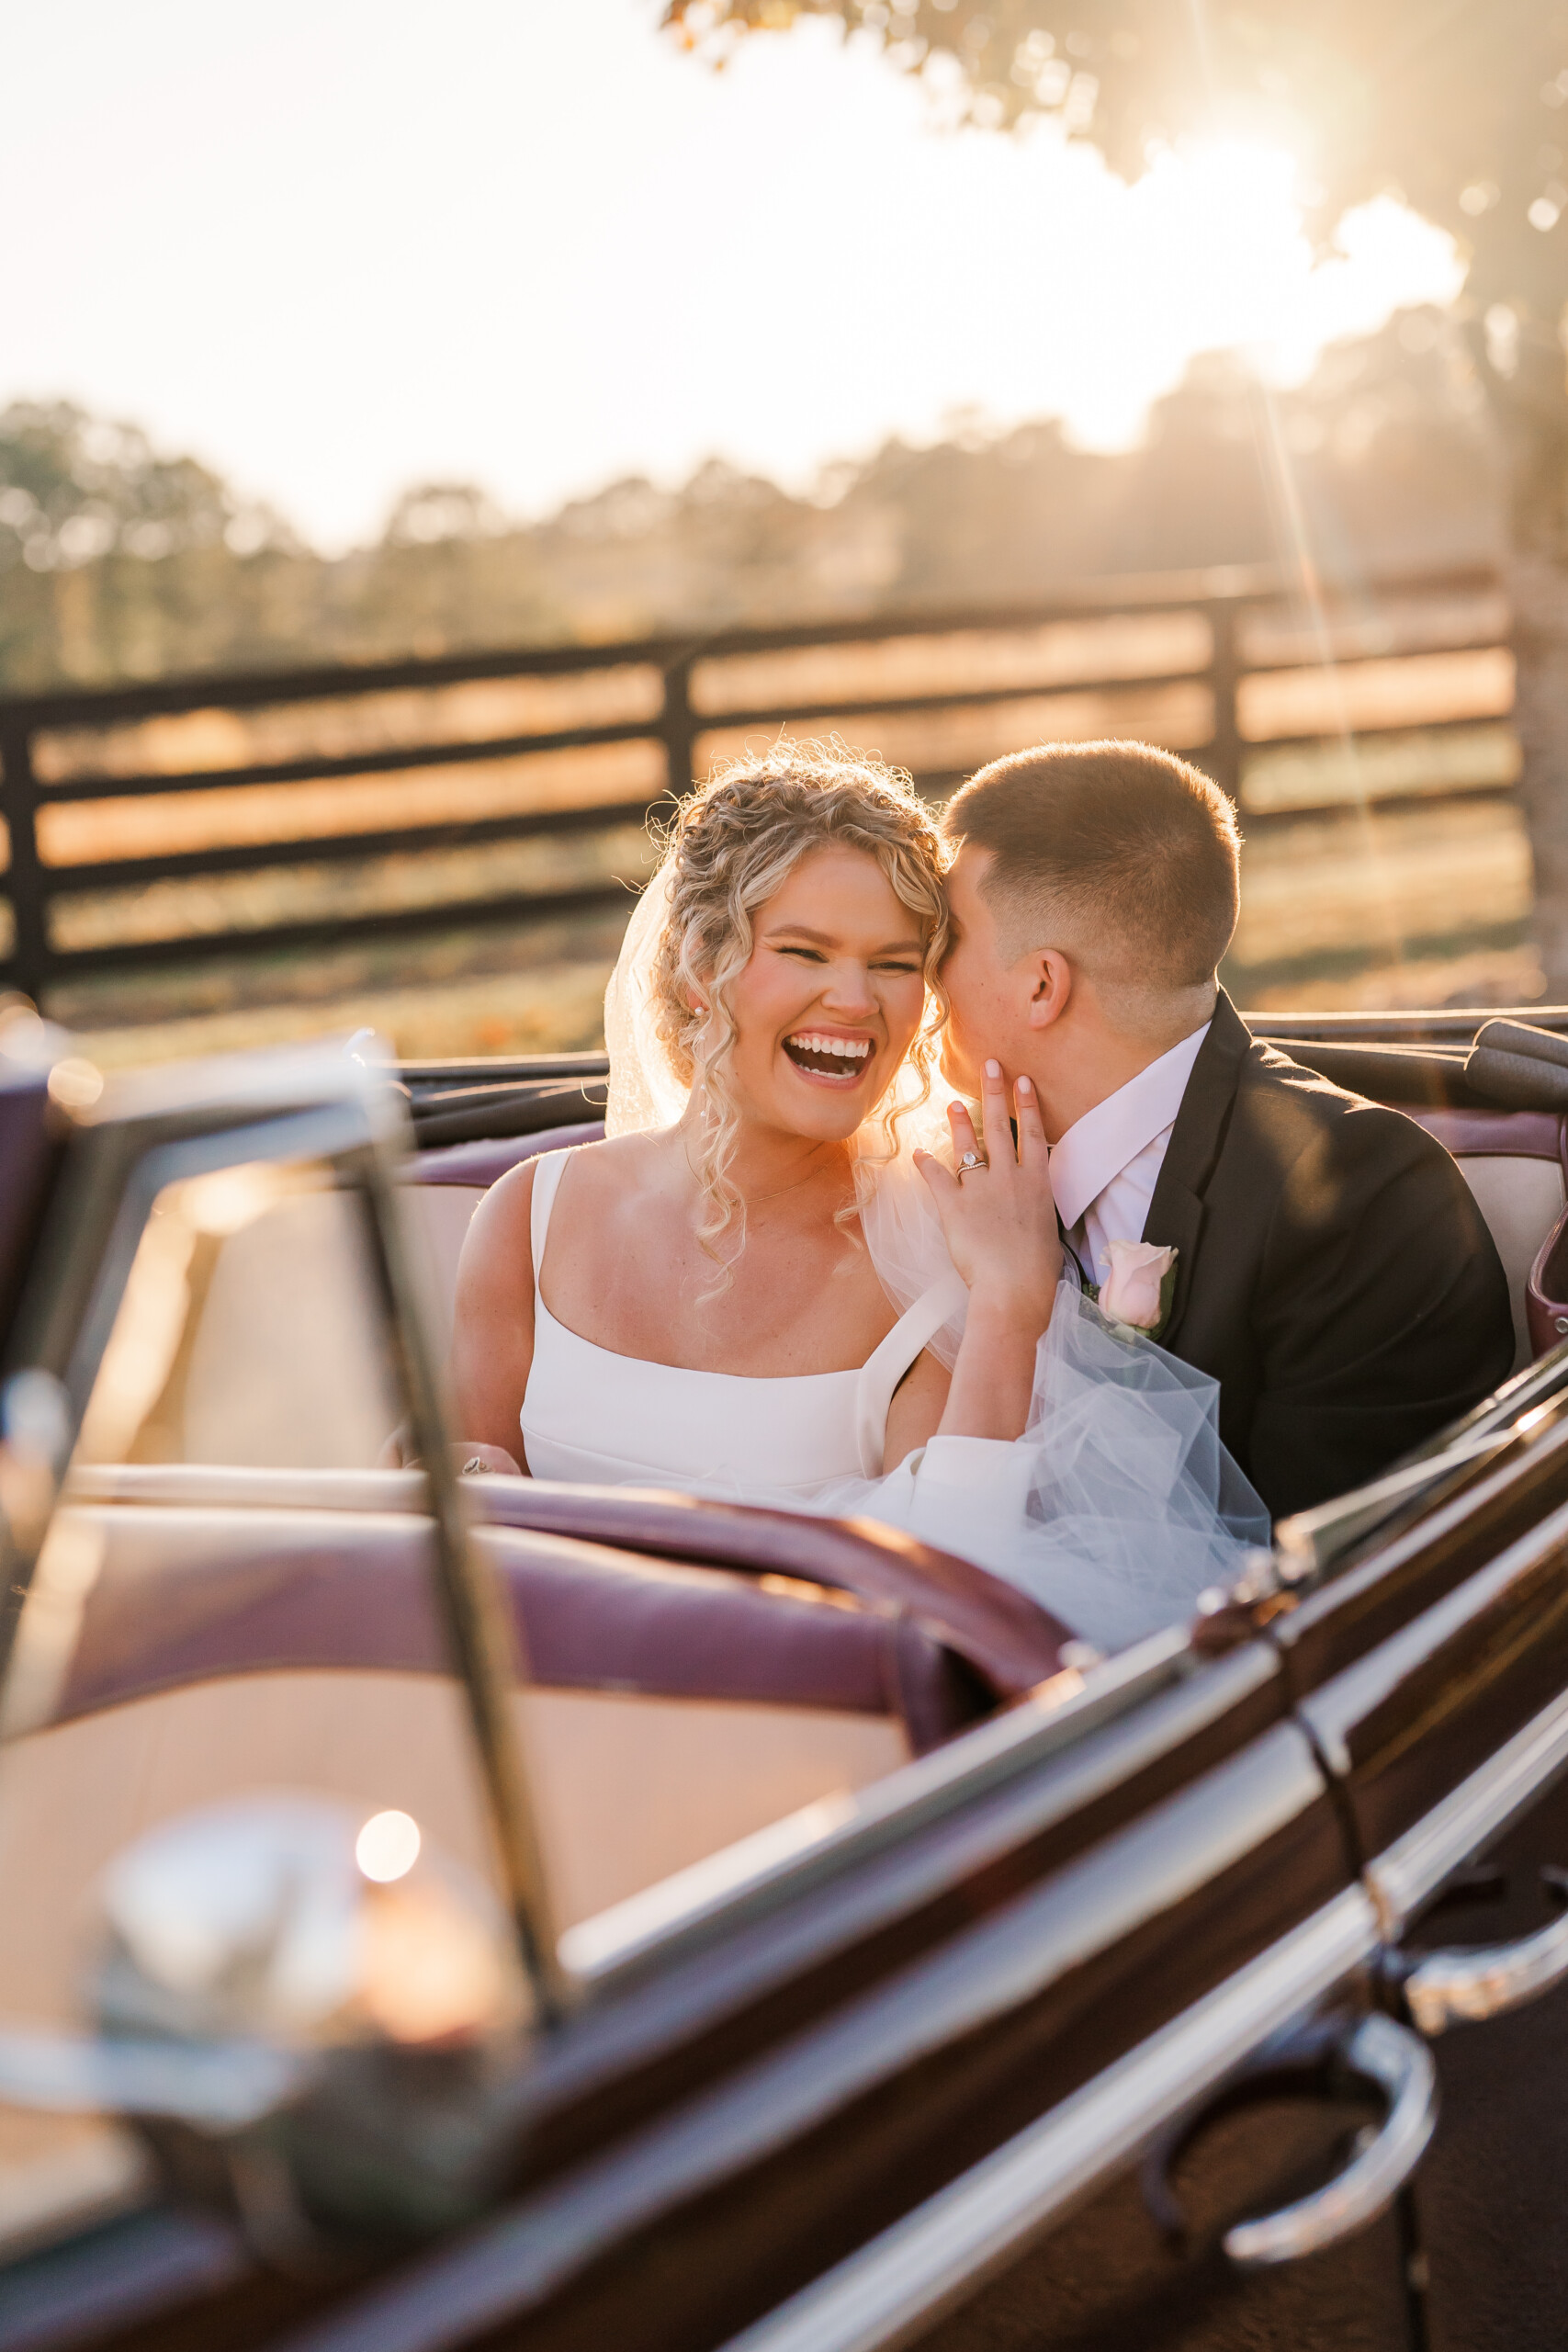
{"points": [[1431, 1671], [825, 2084], [822, 2090], [900, 2039]]}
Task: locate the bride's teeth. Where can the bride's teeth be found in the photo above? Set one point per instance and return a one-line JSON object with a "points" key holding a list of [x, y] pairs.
{"points": [[830, 1056], [844, 1048]]}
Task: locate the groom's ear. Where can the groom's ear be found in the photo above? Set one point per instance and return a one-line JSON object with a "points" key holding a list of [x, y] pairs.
{"points": [[1050, 977]]}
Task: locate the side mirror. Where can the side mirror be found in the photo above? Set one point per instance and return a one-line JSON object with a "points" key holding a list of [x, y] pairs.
{"points": [[305, 2015]]}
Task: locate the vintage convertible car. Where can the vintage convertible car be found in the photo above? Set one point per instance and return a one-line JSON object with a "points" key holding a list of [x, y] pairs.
{"points": [[458, 1911]]}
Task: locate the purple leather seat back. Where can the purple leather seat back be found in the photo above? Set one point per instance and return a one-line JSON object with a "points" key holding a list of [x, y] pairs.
{"points": [[1496, 1135], [1004, 1636], [193, 1595], [485, 1162]]}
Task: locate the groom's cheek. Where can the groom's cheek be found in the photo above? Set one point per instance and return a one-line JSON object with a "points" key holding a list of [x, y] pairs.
{"points": [[958, 1066]]}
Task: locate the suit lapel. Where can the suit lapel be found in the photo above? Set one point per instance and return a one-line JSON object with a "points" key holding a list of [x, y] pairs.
{"points": [[1175, 1221], [1175, 1213]]}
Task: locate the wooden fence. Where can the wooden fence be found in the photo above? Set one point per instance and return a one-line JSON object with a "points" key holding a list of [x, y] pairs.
{"points": [[113, 798]]}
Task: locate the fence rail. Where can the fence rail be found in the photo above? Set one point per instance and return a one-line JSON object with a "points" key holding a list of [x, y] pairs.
{"points": [[200, 780]]}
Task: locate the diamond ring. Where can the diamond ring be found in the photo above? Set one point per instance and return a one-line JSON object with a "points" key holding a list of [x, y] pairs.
{"points": [[973, 1160]]}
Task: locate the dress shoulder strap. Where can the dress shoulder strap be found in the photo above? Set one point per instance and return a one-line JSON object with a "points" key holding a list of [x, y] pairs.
{"points": [[547, 1169], [891, 1358]]}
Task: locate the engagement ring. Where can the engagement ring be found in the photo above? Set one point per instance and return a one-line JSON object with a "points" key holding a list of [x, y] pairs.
{"points": [[972, 1159]]}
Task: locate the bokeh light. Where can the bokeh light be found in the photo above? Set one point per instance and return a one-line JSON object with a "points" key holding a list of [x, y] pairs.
{"points": [[387, 1847]]}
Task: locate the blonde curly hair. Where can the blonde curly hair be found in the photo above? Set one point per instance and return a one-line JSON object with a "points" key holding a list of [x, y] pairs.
{"points": [[734, 842]]}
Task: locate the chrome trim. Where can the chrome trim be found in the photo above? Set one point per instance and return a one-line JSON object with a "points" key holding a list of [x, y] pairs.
{"points": [[902, 2282], [201, 1486], [228, 1089], [1437, 1519], [1405, 1874], [1309, 1540], [479, 1624], [1453, 1987], [1389, 2055], [1357, 1693]]}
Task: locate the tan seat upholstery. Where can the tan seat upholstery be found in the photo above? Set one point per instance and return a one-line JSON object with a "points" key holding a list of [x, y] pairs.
{"points": [[627, 1787], [1513, 1163], [438, 1217]]}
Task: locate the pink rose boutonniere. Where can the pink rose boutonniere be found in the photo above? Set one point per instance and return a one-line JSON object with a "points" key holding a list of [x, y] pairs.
{"points": [[1135, 1296]]}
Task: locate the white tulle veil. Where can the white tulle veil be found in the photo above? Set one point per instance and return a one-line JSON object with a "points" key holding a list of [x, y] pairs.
{"points": [[1132, 1506]]}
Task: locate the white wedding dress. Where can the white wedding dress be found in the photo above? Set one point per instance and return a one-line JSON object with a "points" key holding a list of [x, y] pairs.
{"points": [[718, 1430], [1115, 1508]]}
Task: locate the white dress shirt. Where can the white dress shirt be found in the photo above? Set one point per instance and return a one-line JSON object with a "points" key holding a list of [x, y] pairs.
{"points": [[1104, 1169]]}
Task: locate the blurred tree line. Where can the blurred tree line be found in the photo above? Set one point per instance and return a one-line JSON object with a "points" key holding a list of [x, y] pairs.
{"points": [[116, 563], [1459, 106]]}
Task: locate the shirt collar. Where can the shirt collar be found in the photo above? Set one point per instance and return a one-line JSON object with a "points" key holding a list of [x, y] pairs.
{"points": [[1097, 1148]]}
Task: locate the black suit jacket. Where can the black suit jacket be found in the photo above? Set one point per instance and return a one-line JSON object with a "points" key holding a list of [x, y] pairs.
{"points": [[1335, 1274]]}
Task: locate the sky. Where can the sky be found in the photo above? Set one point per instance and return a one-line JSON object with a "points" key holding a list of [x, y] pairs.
{"points": [[338, 247]]}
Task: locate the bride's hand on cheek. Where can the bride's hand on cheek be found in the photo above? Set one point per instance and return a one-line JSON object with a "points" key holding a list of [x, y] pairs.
{"points": [[1000, 1218]]}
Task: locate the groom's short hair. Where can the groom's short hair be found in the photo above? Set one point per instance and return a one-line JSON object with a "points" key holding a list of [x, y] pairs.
{"points": [[1123, 856]]}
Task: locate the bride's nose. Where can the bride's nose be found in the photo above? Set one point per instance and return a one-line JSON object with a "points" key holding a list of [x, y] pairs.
{"points": [[848, 993]]}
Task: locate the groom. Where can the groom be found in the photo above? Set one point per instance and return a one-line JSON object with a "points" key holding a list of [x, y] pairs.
{"points": [[1333, 1273]]}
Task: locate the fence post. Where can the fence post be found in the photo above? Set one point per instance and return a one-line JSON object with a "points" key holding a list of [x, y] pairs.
{"points": [[1224, 762], [29, 946], [676, 726]]}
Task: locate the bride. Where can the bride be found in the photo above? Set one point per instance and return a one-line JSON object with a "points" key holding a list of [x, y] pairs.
{"points": [[784, 1278]]}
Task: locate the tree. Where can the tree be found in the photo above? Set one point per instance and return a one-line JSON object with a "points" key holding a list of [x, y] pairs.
{"points": [[1460, 106], [73, 487]]}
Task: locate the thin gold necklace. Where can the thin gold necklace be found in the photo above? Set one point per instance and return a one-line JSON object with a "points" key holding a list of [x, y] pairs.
{"points": [[782, 1189], [757, 1203]]}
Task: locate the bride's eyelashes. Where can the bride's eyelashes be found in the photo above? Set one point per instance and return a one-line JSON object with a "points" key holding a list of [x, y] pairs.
{"points": [[878, 963]]}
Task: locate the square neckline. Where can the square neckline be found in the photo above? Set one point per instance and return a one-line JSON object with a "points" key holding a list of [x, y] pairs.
{"points": [[760, 1409], [538, 1233]]}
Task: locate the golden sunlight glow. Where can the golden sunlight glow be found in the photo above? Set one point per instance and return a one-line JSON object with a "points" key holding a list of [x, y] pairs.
{"points": [[1208, 252], [610, 261]]}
